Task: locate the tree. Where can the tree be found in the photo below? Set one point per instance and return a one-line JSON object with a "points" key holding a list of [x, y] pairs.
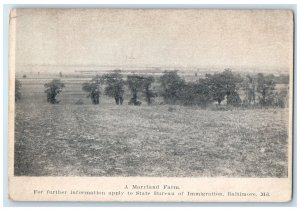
{"points": [[53, 88], [265, 89], [93, 88], [249, 85], [234, 99], [60, 74], [147, 91], [196, 93], [171, 86], [115, 86], [216, 87], [18, 86], [280, 98], [135, 84], [223, 85]]}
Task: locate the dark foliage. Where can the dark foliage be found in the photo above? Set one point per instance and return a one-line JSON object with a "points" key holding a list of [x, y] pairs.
{"points": [[223, 85], [280, 98], [93, 88], [147, 89], [265, 89], [234, 99], [258, 89], [172, 86], [53, 88], [195, 94], [115, 86], [250, 87], [135, 84]]}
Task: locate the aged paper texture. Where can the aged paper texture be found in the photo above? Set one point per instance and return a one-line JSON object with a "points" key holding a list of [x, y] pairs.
{"points": [[150, 105]]}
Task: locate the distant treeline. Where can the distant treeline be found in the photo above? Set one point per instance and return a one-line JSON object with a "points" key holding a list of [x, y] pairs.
{"points": [[219, 88]]}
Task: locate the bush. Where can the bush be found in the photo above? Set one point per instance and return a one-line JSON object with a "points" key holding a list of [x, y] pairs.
{"points": [[234, 99], [223, 84], [135, 84], [147, 89], [195, 94], [265, 88], [93, 88], [172, 86], [53, 88], [115, 86], [280, 99]]}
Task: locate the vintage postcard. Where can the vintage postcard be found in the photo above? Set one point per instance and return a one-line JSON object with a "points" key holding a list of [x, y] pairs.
{"points": [[154, 105]]}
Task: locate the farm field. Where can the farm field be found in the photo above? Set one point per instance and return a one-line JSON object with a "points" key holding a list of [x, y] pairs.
{"points": [[159, 140]]}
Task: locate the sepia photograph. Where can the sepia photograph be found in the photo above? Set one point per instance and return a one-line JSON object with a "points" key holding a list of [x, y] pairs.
{"points": [[151, 93]]}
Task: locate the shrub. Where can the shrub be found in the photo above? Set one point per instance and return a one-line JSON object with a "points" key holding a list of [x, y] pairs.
{"points": [[265, 89], [223, 84], [53, 88], [115, 86], [135, 84], [234, 99], [280, 99], [93, 88], [195, 94], [147, 89], [172, 86]]}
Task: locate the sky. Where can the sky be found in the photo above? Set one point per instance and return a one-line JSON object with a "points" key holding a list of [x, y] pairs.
{"points": [[241, 39]]}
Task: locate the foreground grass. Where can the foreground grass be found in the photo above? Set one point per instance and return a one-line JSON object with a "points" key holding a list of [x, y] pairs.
{"points": [[110, 140]]}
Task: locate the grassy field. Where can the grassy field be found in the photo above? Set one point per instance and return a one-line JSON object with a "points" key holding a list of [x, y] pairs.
{"points": [[110, 140]]}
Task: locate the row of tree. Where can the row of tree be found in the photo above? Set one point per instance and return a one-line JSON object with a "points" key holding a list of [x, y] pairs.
{"points": [[115, 87], [257, 90]]}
